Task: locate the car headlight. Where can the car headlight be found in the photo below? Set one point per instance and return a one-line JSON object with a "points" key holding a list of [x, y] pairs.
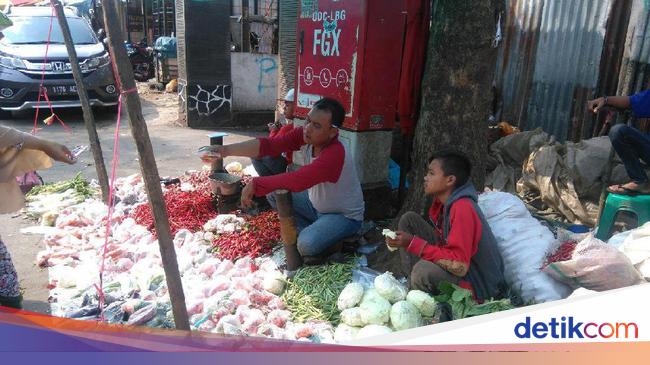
{"points": [[96, 62], [12, 62]]}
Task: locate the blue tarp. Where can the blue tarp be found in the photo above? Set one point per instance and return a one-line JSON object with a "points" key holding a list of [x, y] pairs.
{"points": [[166, 47], [393, 175]]}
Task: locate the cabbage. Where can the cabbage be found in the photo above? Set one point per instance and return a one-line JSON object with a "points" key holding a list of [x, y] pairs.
{"points": [[391, 289], [49, 218], [374, 308], [392, 235], [404, 315], [274, 283], [423, 302], [372, 330], [350, 296], [352, 317], [371, 295], [345, 333]]}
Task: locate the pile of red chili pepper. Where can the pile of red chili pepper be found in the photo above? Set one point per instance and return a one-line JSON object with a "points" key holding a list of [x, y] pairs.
{"points": [[563, 253], [186, 210], [258, 237]]}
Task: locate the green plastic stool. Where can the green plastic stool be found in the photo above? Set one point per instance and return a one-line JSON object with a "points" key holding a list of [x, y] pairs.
{"points": [[638, 205]]}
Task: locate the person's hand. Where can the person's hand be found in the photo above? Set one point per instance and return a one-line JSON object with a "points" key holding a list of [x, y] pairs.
{"points": [[59, 152], [210, 153], [596, 104], [402, 239], [247, 195]]}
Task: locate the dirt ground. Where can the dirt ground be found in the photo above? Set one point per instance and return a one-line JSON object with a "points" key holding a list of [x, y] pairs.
{"points": [[173, 146]]}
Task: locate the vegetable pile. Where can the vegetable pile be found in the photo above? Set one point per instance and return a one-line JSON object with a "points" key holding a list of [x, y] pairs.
{"points": [[313, 291], [185, 209], [235, 297], [386, 307], [563, 253], [462, 302], [78, 184], [259, 235], [45, 201]]}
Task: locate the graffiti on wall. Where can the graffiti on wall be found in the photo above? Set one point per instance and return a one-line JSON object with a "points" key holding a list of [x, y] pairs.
{"points": [[266, 80], [308, 7], [205, 101]]}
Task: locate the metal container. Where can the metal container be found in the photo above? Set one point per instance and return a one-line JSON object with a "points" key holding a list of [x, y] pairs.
{"points": [[225, 184]]}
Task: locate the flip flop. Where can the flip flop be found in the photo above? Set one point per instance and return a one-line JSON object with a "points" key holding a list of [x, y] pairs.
{"points": [[619, 186], [628, 191]]}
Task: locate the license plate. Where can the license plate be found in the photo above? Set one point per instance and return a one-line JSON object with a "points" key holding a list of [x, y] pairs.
{"points": [[62, 89]]}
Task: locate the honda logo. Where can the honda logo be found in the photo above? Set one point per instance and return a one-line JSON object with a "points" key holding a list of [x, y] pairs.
{"points": [[58, 66]]}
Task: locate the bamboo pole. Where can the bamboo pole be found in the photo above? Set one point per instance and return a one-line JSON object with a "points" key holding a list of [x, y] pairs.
{"points": [[147, 162]]}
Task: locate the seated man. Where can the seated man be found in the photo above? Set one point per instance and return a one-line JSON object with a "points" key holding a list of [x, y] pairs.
{"points": [[457, 245], [630, 144], [273, 165], [327, 197]]}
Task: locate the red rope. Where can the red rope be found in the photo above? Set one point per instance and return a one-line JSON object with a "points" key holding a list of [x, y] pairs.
{"points": [[42, 91], [111, 191]]}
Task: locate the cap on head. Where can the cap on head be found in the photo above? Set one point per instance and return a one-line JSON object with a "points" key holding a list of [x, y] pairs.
{"points": [[290, 95]]}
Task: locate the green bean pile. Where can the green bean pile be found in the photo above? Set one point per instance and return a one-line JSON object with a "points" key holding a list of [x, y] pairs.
{"points": [[80, 185], [314, 290]]}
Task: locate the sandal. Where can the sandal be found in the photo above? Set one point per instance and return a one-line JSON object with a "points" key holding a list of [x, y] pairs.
{"points": [[628, 191]]}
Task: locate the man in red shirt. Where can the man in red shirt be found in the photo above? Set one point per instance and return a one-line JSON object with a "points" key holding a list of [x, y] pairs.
{"points": [[326, 192], [456, 245], [273, 165]]}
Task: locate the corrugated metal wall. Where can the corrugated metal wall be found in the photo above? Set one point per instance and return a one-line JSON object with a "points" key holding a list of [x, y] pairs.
{"points": [[550, 60]]}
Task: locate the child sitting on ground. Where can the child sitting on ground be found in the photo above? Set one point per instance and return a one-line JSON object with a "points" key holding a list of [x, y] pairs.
{"points": [[456, 245]]}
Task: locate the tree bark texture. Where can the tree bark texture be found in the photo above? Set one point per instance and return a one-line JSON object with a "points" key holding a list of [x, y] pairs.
{"points": [[456, 89]]}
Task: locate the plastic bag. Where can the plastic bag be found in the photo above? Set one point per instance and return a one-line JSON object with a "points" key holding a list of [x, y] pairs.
{"points": [[350, 296], [279, 317], [365, 276], [423, 302], [345, 333], [352, 317], [252, 320], [404, 315], [372, 330], [523, 243], [28, 180], [274, 282], [142, 315], [391, 289], [374, 308], [636, 246], [595, 265]]}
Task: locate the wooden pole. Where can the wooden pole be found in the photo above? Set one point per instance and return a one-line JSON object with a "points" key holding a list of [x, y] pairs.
{"points": [[147, 162], [288, 229], [245, 27], [89, 118]]}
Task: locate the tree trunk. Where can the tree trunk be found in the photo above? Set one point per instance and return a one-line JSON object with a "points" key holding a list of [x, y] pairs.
{"points": [[456, 89]]}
